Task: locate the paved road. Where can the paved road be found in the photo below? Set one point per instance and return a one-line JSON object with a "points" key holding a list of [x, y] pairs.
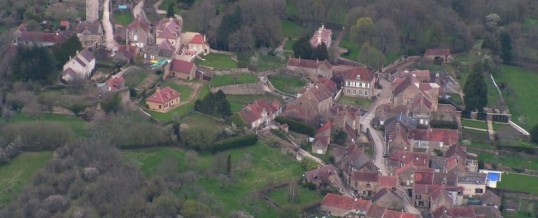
{"points": [[138, 8], [377, 137], [110, 43]]}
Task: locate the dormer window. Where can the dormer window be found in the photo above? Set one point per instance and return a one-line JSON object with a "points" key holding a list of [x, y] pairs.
{"points": [[358, 77]]}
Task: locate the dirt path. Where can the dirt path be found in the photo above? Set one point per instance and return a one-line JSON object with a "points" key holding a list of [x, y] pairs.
{"points": [[138, 8], [196, 89]]}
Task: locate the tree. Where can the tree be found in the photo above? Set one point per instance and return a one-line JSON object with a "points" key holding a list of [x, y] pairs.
{"points": [[302, 48], [67, 49], [241, 40], [170, 11], [506, 47], [371, 56], [33, 64], [386, 36], [230, 23], [362, 31], [229, 164], [475, 89], [534, 134], [320, 52]]}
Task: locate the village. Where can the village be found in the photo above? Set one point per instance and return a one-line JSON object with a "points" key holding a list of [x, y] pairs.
{"points": [[376, 142]]}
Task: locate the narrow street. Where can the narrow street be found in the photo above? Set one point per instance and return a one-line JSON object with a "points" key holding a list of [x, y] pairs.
{"points": [[110, 43]]}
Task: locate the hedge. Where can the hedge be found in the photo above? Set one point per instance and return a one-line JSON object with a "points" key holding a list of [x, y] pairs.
{"points": [[235, 142], [297, 126], [443, 124]]}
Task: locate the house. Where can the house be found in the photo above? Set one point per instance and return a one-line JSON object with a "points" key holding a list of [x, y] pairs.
{"points": [[138, 32], [64, 25], [390, 198], [321, 36], [428, 140], [312, 102], [492, 177], [80, 66], [114, 84], [180, 69], [353, 159], [195, 43], [43, 39], [359, 82], [406, 174], [410, 92], [125, 53], [90, 34], [344, 117], [418, 75], [466, 212], [386, 111], [169, 30], [435, 196], [439, 53], [446, 112], [164, 100], [260, 112], [459, 152], [490, 199], [396, 138], [376, 211], [344, 206], [321, 177], [322, 139], [312, 68], [472, 183], [401, 158], [364, 184], [160, 52]]}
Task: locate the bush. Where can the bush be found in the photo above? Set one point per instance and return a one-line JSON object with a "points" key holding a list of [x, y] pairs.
{"points": [[443, 124], [39, 135], [238, 120], [309, 164], [235, 142], [297, 126]]}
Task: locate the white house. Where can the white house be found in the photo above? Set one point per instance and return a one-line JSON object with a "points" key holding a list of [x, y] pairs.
{"points": [[80, 66]]}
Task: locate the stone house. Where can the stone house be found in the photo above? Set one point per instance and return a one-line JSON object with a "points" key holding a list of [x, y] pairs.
{"points": [[364, 184], [359, 82], [322, 36], [312, 102], [312, 68], [90, 34], [390, 198], [344, 206], [260, 112], [322, 139], [438, 53], [428, 140], [473, 184], [164, 100], [180, 69], [321, 177], [169, 30], [80, 66], [139, 32]]}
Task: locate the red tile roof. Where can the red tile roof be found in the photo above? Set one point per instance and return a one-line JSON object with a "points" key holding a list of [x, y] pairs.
{"points": [[365, 176], [64, 23], [397, 214], [405, 169], [408, 157], [253, 111], [197, 39], [322, 35], [305, 63], [422, 75], [164, 95], [116, 83], [360, 74], [345, 202], [322, 173], [376, 211], [139, 23], [44, 37], [447, 136], [181, 66], [388, 181]]}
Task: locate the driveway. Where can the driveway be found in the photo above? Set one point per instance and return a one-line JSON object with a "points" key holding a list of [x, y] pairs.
{"points": [[138, 8]]}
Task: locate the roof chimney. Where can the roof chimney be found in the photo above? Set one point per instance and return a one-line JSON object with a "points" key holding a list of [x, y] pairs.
{"points": [[158, 89]]}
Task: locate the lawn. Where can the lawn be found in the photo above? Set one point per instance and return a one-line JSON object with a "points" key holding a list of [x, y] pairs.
{"points": [[18, 173], [225, 80], [498, 126], [164, 6], [269, 62], [123, 18], [518, 182], [480, 124], [77, 124], [289, 44], [254, 167], [237, 102], [292, 30], [520, 94], [134, 78], [287, 83], [185, 91], [306, 197], [218, 61], [361, 102], [3, 28], [353, 49]]}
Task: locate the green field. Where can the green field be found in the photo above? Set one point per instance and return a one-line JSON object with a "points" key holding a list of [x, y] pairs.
{"points": [[289, 44], [521, 98], [164, 6], [123, 18], [254, 168], [237, 102], [292, 30], [225, 80], [480, 124], [353, 48], [287, 83], [518, 182], [217, 61], [134, 78], [77, 124], [18, 173], [269, 62], [361, 102], [306, 197]]}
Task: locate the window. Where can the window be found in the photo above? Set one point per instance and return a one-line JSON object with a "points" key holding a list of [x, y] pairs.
{"points": [[360, 92], [479, 191], [365, 93], [368, 185], [347, 83], [354, 92], [348, 91]]}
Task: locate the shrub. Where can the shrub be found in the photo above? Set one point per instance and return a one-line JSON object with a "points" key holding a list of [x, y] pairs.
{"points": [[297, 126], [309, 164], [443, 124], [235, 142], [238, 120], [39, 135]]}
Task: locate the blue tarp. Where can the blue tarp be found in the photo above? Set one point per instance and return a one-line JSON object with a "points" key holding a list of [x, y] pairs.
{"points": [[122, 7]]}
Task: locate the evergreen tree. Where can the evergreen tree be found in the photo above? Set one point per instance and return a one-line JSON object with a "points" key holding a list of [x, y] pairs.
{"points": [[506, 47], [534, 134], [170, 11], [320, 52], [475, 89], [302, 48], [69, 48], [33, 64]]}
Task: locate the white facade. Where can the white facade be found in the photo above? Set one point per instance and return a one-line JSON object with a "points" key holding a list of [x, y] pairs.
{"points": [[83, 65]]}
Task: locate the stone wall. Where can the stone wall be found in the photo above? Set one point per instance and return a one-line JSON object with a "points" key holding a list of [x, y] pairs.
{"points": [[241, 89]]}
